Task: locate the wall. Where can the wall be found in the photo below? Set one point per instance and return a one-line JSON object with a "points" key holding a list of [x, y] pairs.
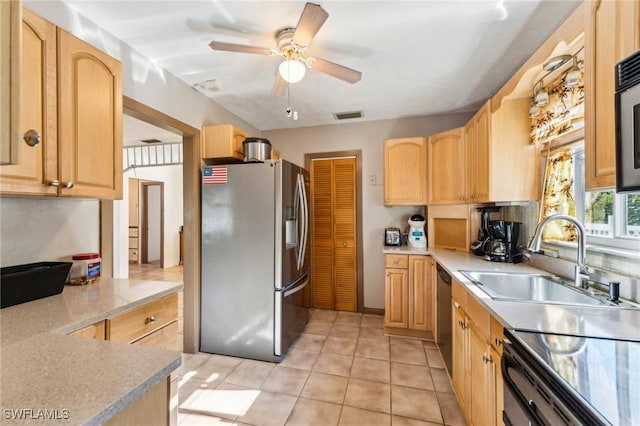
{"points": [[173, 216], [368, 137], [34, 229]]}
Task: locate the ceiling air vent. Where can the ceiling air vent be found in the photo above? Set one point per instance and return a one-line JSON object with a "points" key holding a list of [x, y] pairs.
{"points": [[150, 140], [347, 115]]}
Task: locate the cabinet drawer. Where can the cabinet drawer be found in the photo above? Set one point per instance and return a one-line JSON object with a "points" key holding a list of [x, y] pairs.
{"points": [[94, 331], [479, 316], [133, 255], [165, 338], [459, 294], [133, 243], [497, 335], [133, 231], [136, 323], [396, 261]]}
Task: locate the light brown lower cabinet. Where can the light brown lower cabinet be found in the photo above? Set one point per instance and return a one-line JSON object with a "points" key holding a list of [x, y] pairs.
{"points": [[151, 408], [408, 294], [93, 331], [145, 321], [476, 376]]}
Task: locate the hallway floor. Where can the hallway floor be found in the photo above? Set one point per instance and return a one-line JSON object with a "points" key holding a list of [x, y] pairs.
{"points": [[342, 371]]}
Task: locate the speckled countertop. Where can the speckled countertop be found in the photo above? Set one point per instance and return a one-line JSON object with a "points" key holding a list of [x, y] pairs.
{"points": [[86, 381]]}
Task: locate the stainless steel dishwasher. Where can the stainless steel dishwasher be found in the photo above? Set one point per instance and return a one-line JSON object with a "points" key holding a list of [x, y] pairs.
{"points": [[443, 289]]}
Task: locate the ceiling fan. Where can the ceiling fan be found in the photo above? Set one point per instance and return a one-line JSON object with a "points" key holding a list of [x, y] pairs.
{"points": [[292, 46]]}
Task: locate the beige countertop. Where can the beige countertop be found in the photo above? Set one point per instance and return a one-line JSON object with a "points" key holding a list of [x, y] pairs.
{"points": [[405, 250], [86, 381], [605, 322]]}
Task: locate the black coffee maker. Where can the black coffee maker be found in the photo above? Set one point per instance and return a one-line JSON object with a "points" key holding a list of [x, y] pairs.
{"points": [[503, 241], [480, 246]]}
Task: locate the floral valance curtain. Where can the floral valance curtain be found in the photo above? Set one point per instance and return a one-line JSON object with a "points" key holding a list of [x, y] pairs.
{"points": [[563, 113], [558, 197]]}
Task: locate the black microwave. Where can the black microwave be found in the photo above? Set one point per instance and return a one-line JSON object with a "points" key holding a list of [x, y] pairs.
{"points": [[628, 124]]}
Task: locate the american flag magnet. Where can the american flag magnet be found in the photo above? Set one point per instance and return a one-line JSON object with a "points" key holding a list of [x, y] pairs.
{"points": [[216, 175]]}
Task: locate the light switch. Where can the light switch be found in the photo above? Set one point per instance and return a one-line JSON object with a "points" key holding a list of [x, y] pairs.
{"points": [[373, 180]]}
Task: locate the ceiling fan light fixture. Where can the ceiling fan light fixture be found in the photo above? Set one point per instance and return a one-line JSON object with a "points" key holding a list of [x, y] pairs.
{"points": [[292, 70]]}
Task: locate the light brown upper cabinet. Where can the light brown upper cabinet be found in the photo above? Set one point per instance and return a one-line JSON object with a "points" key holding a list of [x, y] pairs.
{"points": [[405, 172], [489, 159], [71, 95], [611, 34], [446, 171], [223, 143], [10, 22]]}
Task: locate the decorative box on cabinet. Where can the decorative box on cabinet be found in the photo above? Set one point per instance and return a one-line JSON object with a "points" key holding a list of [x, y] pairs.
{"points": [[611, 34], [405, 171], [408, 295], [71, 95], [223, 143], [152, 324]]}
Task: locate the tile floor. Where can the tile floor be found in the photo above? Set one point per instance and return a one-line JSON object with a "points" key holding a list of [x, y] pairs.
{"points": [[342, 371]]}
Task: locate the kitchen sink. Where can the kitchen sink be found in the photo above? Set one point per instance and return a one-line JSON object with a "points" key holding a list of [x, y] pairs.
{"points": [[536, 288]]}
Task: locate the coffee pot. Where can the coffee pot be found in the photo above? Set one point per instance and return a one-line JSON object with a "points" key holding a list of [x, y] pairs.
{"points": [[503, 241]]}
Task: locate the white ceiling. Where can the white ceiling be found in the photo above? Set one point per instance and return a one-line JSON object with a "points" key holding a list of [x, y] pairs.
{"points": [[416, 57]]}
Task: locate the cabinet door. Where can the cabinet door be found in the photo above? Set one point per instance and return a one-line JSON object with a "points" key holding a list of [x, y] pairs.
{"points": [[420, 293], [446, 171], [480, 375], [498, 383], [481, 157], [600, 59], [460, 358], [396, 298], [223, 142], [405, 173], [90, 120], [38, 166], [10, 29]]}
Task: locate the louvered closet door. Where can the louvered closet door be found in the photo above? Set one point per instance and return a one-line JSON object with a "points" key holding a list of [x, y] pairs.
{"points": [[334, 234]]}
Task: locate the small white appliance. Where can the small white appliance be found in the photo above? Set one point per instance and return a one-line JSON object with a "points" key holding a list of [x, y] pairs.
{"points": [[417, 237]]}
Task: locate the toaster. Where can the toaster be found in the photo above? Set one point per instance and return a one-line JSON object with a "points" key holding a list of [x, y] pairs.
{"points": [[392, 237]]}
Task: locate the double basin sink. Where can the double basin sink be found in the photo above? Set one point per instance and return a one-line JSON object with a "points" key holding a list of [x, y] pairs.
{"points": [[538, 288]]}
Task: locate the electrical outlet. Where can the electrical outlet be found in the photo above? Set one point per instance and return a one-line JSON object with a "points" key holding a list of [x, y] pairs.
{"points": [[373, 180]]}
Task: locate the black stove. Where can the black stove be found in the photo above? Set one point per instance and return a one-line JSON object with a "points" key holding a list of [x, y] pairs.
{"points": [[553, 379]]}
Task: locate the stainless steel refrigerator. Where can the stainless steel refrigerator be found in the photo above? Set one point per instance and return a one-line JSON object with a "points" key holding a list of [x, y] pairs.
{"points": [[255, 296]]}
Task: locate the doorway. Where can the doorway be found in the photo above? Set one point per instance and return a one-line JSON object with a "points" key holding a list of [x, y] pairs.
{"points": [[152, 249], [336, 230]]}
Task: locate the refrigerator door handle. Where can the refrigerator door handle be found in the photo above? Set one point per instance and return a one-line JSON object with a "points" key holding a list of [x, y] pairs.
{"points": [[296, 288], [305, 204], [301, 217]]}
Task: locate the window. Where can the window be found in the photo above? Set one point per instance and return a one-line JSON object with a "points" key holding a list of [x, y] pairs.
{"points": [[609, 219]]}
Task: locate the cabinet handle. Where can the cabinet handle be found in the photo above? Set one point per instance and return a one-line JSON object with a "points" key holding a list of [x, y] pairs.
{"points": [[486, 359], [68, 185], [461, 197], [151, 319], [498, 342], [395, 261], [456, 305], [344, 244], [55, 183], [31, 137], [461, 324], [473, 196]]}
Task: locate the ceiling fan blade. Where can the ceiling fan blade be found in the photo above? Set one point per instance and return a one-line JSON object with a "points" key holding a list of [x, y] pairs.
{"points": [[231, 47], [338, 71], [279, 86], [312, 18]]}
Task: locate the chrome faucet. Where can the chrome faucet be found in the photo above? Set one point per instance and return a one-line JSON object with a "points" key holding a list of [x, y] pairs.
{"points": [[581, 272]]}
